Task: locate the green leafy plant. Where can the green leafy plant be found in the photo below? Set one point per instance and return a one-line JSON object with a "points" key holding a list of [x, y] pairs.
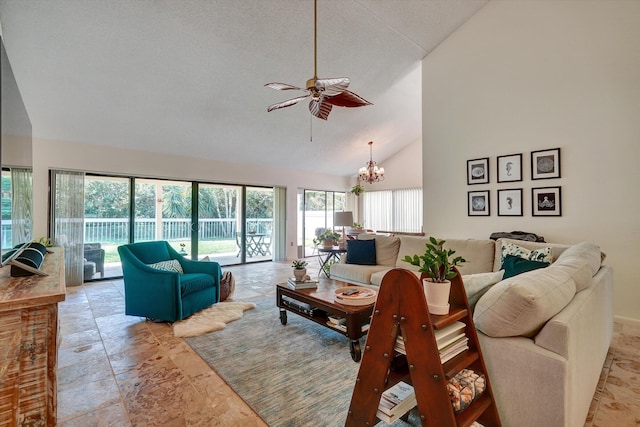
{"points": [[326, 235], [299, 264], [45, 241], [357, 189], [327, 267], [437, 262], [356, 225]]}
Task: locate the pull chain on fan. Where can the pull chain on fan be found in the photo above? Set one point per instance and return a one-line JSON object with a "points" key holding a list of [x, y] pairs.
{"points": [[324, 93]]}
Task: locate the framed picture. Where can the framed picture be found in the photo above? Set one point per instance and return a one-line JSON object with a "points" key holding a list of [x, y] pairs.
{"points": [[510, 168], [546, 201], [510, 202], [478, 171], [478, 203], [545, 164]]}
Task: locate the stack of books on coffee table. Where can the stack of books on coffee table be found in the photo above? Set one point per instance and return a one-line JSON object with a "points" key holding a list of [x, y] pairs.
{"points": [[303, 284]]}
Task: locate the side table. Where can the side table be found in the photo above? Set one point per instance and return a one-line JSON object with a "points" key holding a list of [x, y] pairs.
{"points": [[325, 255]]}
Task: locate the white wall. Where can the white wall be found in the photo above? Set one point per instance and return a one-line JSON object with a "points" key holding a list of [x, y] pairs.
{"points": [[48, 154], [16, 151], [531, 75]]}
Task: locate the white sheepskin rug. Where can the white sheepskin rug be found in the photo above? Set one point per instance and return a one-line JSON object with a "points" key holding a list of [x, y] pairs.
{"points": [[211, 319]]}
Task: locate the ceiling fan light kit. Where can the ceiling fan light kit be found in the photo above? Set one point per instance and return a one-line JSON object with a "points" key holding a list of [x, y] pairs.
{"points": [[324, 93]]}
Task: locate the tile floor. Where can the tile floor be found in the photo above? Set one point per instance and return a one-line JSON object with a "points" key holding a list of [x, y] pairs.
{"points": [[117, 370]]}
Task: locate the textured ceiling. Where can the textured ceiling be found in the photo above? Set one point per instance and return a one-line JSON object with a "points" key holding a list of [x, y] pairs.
{"points": [[187, 77]]}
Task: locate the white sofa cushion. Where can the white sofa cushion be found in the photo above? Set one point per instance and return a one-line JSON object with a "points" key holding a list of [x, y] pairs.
{"points": [[386, 248], [522, 304], [376, 278], [355, 273], [582, 261], [476, 285], [478, 253]]}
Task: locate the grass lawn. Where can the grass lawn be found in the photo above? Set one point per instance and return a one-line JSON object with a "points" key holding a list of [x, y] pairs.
{"points": [[204, 247]]}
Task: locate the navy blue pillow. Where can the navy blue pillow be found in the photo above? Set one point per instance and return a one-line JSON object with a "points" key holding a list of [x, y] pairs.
{"points": [[361, 252], [513, 265]]}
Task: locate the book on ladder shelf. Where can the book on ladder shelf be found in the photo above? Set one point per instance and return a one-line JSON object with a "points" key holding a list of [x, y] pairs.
{"points": [[395, 402]]}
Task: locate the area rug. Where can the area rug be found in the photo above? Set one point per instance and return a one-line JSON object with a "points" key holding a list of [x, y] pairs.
{"points": [[296, 375], [211, 319]]}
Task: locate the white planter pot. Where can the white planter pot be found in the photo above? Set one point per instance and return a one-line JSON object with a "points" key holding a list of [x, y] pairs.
{"points": [[299, 274], [437, 296]]}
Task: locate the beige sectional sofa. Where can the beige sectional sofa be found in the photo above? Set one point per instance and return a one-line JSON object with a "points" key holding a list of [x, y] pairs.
{"points": [[544, 333]]}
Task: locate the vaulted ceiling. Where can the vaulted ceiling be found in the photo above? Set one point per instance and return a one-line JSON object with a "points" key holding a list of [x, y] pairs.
{"points": [[187, 76]]}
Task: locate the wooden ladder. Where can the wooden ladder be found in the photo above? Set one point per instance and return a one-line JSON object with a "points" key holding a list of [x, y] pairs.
{"points": [[401, 308]]}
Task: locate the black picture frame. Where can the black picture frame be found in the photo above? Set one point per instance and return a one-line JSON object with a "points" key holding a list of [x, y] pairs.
{"points": [[545, 164], [478, 171], [509, 168], [478, 203], [546, 201], [510, 202]]}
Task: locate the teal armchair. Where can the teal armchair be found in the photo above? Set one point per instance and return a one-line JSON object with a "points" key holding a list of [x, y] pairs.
{"points": [[166, 295]]}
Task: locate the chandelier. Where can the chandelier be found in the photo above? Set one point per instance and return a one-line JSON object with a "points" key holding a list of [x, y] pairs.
{"points": [[371, 172]]}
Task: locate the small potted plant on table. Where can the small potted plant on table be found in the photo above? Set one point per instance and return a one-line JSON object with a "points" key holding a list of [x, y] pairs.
{"points": [[328, 238], [437, 264], [299, 269]]}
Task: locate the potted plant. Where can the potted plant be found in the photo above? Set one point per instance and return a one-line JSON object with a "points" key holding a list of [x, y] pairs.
{"points": [[299, 269], [328, 238], [437, 264], [357, 189]]}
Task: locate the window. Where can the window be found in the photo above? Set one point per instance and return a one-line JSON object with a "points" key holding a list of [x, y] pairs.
{"points": [[16, 207], [318, 208], [393, 210]]}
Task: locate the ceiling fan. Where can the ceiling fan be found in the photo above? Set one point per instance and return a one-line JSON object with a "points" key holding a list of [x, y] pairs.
{"points": [[324, 93]]}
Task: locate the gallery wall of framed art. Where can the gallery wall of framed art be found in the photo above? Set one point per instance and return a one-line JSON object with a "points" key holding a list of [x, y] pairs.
{"points": [[544, 201]]}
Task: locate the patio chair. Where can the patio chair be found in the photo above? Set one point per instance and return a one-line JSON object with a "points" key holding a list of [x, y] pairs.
{"points": [[166, 294], [93, 253]]}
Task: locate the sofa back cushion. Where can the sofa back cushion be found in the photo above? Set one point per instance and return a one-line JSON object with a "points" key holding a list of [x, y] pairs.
{"points": [[582, 261], [386, 248], [521, 305], [478, 253]]}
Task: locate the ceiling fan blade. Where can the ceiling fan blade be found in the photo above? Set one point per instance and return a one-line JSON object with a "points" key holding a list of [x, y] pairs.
{"points": [[334, 86], [282, 86], [347, 99], [287, 103], [320, 108]]}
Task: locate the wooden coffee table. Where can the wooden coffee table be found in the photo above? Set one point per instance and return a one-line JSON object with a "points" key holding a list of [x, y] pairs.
{"points": [[318, 304]]}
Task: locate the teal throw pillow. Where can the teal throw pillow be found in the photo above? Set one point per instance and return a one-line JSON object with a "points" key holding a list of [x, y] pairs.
{"points": [[361, 252], [514, 265]]}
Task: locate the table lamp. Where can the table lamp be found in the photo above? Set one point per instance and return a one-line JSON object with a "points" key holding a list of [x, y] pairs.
{"points": [[342, 219]]}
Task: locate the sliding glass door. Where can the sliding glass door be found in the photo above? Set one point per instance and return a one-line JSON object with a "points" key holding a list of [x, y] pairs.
{"points": [[218, 219], [318, 210], [258, 230], [163, 212], [106, 224], [230, 224]]}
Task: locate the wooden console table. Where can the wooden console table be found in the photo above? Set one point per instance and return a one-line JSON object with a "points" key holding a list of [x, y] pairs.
{"points": [[29, 343]]}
